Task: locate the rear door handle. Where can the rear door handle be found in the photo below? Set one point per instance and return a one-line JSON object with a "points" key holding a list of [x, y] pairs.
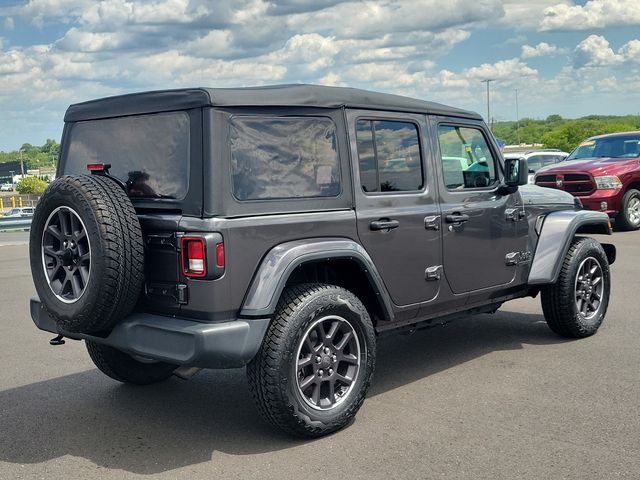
{"points": [[432, 222], [384, 224], [457, 218]]}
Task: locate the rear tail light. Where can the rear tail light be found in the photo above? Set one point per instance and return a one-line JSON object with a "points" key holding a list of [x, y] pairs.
{"points": [[194, 256]]}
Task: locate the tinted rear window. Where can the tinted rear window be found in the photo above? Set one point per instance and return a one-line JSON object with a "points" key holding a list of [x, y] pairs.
{"points": [[389, 156], [149, 152], [283, 158]]}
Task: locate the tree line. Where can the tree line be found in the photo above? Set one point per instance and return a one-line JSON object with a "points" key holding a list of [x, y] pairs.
{"points": [[34, 156], [562, 133]]}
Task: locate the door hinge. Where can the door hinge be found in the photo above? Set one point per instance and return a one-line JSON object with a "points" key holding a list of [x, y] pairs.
{"points": [[433, 273], [163, 241], [514, 214], [179, 293], [514, 258]]}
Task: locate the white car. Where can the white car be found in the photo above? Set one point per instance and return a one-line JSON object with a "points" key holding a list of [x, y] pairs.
{"points": [[536, 159], [6, 187], [20, 212]]}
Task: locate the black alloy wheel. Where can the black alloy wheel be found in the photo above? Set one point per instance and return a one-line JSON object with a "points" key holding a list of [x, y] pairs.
{"points": [[328, 362], [66, 254]]}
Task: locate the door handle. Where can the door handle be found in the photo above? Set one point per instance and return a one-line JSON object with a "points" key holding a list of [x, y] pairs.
{"points": [[384, 224], [432, 222], [457, 218]]}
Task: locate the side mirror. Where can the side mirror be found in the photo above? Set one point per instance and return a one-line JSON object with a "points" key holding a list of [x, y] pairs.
{"points": [[516, 172]]}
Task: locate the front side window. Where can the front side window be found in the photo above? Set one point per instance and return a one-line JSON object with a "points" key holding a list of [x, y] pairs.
{"points": [[467, 161], [389, 156], [284, 157], [150, 153]]}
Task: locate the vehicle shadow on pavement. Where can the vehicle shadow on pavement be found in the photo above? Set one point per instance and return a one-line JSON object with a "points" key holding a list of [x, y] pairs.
{"points": [[403, 359], [154, 429]]}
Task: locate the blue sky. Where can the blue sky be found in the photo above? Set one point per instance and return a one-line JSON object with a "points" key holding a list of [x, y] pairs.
{"points": [[565, 57]]}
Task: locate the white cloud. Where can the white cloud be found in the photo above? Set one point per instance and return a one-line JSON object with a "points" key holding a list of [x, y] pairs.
{"points": [[47, 10], [593, 14], [399, 46], [595, 51], [8, 23], [525, 14], [371, 19], [540, 50], [506, 70], [78, 40], [631, 51], [607, 84]]}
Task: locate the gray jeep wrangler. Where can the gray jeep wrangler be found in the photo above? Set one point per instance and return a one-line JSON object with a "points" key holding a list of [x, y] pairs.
{"points": [[284, 228]]}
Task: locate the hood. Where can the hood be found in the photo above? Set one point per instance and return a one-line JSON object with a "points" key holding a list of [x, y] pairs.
{"points": [[534, 195], [596, 166]]}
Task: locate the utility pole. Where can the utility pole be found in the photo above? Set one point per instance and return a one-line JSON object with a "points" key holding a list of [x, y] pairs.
{"points": [[21, 164], [488, 81], [517, 119]]}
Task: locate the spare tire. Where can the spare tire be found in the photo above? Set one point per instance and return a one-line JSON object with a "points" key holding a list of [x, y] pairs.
{"points": [[86, 253]]}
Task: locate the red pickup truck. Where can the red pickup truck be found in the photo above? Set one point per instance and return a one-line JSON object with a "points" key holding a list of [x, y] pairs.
{"points": [[604, 173]]}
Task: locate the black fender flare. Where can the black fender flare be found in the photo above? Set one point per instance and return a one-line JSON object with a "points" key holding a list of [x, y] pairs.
{"points": [[558, 229], [278, 264]]}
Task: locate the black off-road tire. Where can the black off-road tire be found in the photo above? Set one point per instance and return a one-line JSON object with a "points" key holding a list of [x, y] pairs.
{"points": [[559, 302], [273, 372], [126, 369], [624, 220], [116, 257]]}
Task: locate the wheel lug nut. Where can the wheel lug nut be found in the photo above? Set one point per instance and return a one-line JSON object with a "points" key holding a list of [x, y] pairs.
{"points": [[334, 358], [320, 373], [331, 371], [318, 359], [326, 350]]}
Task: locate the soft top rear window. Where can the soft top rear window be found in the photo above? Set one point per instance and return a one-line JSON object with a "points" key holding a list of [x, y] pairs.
{"points": [[150, 153]]}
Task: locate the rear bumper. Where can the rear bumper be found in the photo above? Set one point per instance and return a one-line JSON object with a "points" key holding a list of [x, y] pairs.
{"points": [[227, 344]]}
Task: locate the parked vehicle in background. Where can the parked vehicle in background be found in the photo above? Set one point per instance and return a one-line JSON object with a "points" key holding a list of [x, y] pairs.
{"points": [[7, 187], [604, 173], [536, 159], [20, 212], [284, 228]]}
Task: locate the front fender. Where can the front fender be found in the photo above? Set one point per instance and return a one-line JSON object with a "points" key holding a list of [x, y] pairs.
{"points": [[283, 259], [558, 230]]}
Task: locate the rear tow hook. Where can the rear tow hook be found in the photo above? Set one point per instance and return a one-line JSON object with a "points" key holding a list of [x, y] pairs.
{"points": [[59, 340]]}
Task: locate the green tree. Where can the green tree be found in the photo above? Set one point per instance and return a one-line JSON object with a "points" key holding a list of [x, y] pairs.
{"points": [[31, 185]]}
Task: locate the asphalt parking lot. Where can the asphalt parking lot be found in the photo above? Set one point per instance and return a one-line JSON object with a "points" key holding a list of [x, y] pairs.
{"points": [[492, 397]]}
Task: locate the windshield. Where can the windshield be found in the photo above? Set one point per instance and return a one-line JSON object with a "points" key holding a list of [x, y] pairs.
{"points": [[615, 147]]}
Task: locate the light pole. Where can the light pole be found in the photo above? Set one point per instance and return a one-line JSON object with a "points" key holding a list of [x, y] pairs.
{"points": [[517, 119], [21, 164], [488, 81]]}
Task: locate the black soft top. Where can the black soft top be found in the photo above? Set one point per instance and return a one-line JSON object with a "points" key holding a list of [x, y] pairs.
{"points": [[266, 96]]}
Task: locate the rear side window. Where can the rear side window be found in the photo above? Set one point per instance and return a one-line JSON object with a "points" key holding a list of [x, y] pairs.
{"points": [[148, 152], [467, 161], [284, 157], [389, 156]]}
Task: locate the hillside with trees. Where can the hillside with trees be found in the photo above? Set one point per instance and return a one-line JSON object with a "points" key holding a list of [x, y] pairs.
{"points": [[564, 134], [33, 156]]}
